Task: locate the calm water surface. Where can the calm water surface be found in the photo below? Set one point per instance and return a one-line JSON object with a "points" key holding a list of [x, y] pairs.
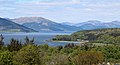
{"points": [[39, 37]]}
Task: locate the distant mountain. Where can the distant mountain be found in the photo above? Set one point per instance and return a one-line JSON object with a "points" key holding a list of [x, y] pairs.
{"points": [[94, 24], [67, 23], [42, 24], [9, 26], [113, 24]]}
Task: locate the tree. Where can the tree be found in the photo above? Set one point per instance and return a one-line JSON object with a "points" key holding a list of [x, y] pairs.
{"points": [[70, 45], [91, 36], [88, 58], [14, 45], [106, 39], [116, 40], [62, 37], [1, 41], [28, 41], [59, 59], [5, 58], [112, 53], [86, 46], [28, 55]]}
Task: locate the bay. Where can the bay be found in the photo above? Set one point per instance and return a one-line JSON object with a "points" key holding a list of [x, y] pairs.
{"points": [[40, 37]]}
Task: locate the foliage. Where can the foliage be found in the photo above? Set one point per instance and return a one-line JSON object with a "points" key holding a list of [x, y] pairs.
{"points": [[28, 55], [62, 37], [14, 45], [107, 36], [59, 59], [28, 41], [1, 41], [17, 53], [89, 58], [112, 53], [5, 58], [75, 55]]}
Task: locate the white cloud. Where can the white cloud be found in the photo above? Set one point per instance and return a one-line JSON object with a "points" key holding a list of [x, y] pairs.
{"points": [[103, 5], [31, 3], [64, 10]]}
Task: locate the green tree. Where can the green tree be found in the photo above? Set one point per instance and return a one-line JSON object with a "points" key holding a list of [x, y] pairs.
{"points": [[59, 59], [5, 58], [88, 58], [28, 55], [106, 39], [116, 40]]}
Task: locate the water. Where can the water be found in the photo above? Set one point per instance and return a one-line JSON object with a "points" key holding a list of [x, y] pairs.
{"points": [[39, 37]]}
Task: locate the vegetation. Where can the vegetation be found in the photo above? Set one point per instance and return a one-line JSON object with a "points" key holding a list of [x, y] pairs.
{"points": [[107, 36], [89, 58], [17, 53], [28, 53]]}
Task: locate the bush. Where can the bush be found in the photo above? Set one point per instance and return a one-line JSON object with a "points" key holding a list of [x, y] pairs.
{"points": [[28, 55], [88, 58]]}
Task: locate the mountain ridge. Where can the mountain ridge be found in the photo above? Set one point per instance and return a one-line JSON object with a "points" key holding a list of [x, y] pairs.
{"points": [[42, 24], [8, 25], [95, 24]]}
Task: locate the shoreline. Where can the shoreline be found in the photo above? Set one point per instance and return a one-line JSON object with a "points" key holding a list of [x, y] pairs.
{"points": [[68, 41]]}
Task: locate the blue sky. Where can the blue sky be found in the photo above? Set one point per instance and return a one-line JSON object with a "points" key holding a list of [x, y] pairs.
{"points": [[73, 11]]}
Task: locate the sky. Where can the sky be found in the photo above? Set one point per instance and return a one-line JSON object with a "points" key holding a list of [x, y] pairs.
{"points": [[73, 11]]}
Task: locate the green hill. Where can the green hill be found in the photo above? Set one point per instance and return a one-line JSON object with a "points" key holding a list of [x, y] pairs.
{"points": [[108, 35]]}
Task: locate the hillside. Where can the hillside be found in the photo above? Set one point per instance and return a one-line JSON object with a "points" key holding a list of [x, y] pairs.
{"points": [[9, 26], [108, 35], [95, 34], [42, 24]]}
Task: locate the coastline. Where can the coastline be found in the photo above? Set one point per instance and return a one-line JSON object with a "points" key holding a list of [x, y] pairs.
{"points": [[68, 41]]}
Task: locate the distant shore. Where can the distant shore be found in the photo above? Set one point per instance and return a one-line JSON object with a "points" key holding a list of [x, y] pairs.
{"points": [[67, 41]]}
